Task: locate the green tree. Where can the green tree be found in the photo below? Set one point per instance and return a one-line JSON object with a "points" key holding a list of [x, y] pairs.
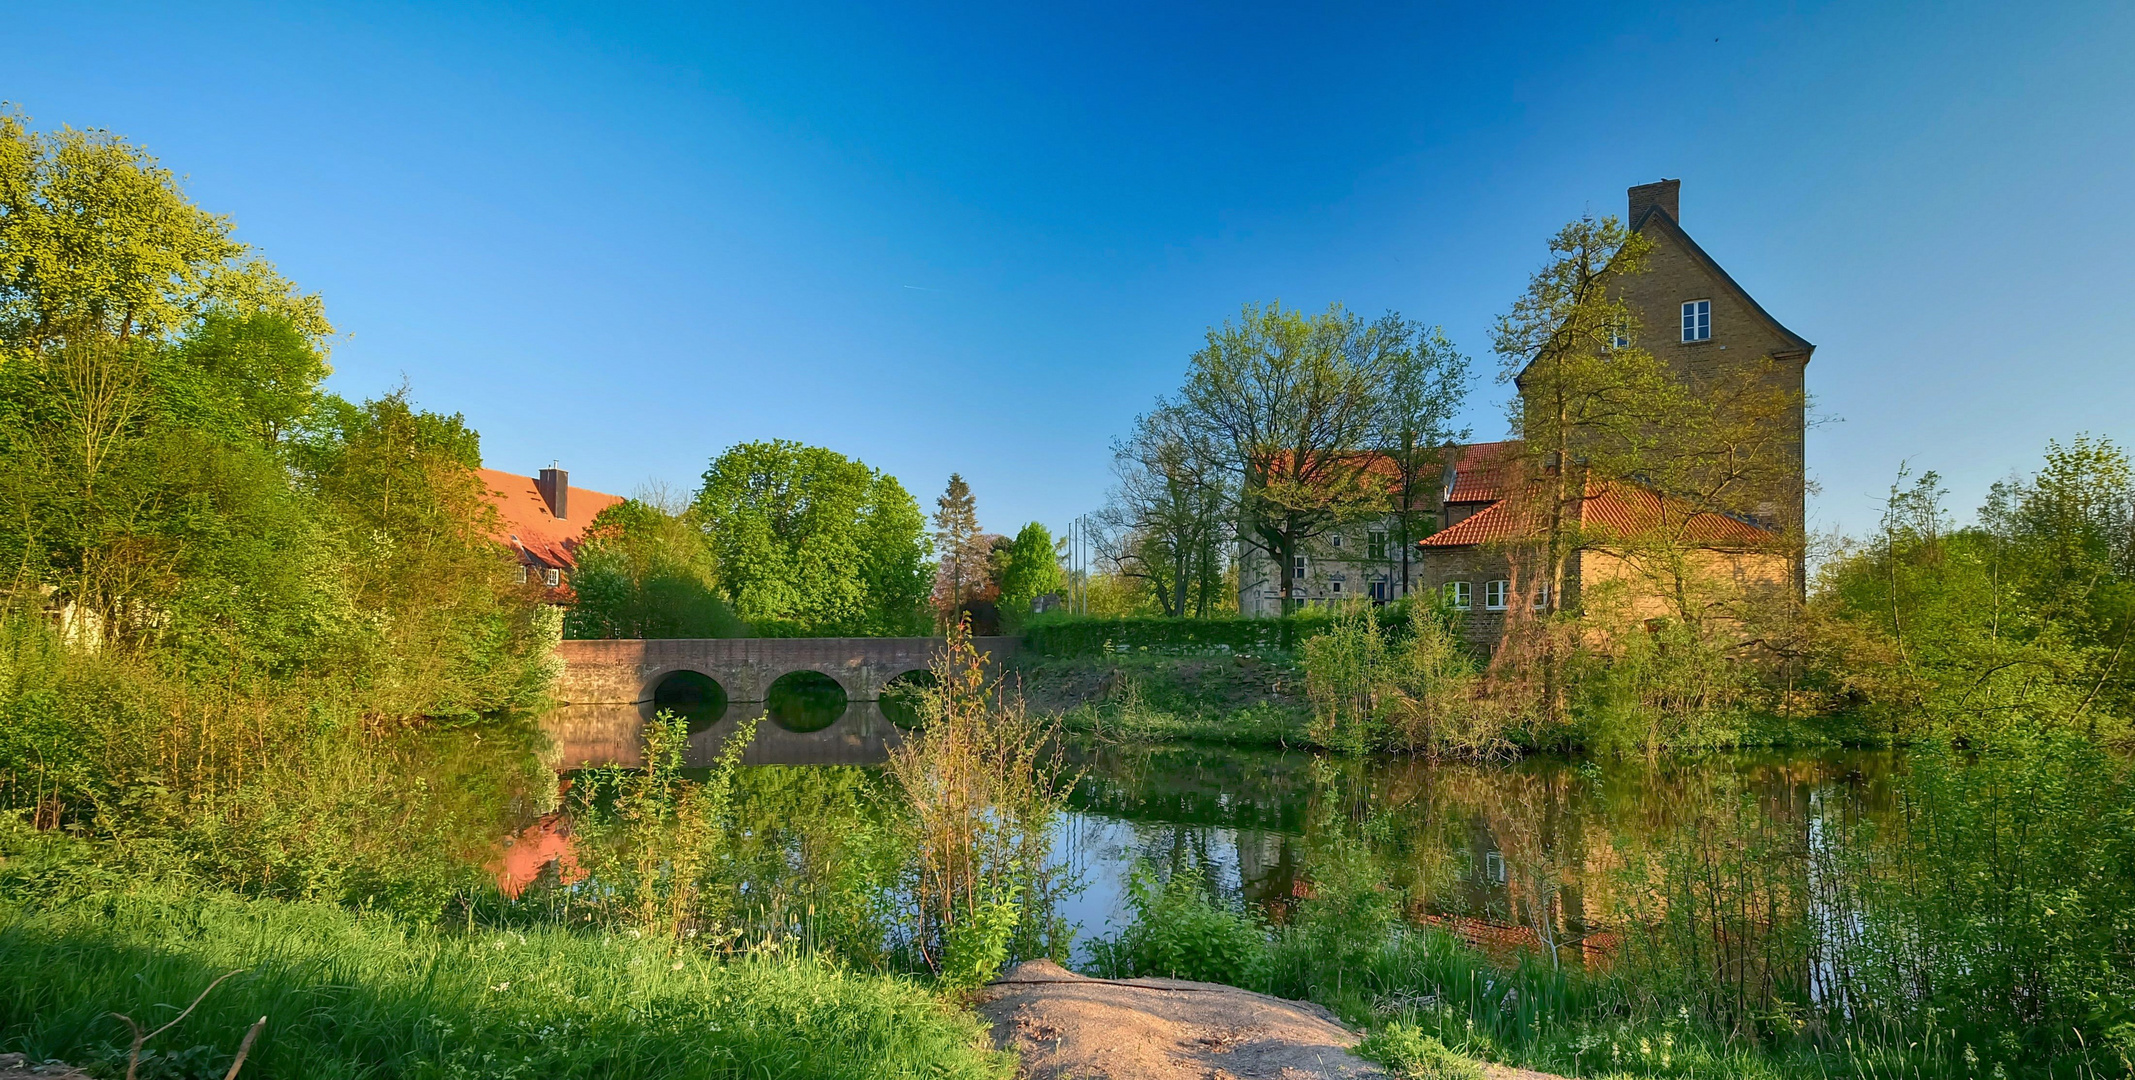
{"points": [[806, 540], [2018, 625], [1293, 400], [456, 636], [1427, 388], [644, 572], [966, 553], [95, 235], [1030, 570], [1590, 401], [1172, 515]]}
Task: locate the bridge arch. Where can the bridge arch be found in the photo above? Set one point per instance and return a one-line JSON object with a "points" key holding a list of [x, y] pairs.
{"points": [[630, 672], [897, 698], [698, 698], [805, 700]]}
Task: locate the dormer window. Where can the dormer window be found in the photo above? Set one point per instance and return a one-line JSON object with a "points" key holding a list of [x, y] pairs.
{"points": [[1697, 320]]}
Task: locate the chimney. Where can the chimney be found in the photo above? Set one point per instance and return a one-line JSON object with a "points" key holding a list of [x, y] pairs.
{"points": [[555, 488], [1661, 193]]}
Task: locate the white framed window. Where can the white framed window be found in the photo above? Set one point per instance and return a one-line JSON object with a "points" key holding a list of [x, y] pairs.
{"points": [[1494, 867], [522, 573], [1457, 594], [1297, 567], [1334, 584], [1335, 540], [1697, 320], [1375, 545], [552, 577], [1541, 596], [1494, 594]]}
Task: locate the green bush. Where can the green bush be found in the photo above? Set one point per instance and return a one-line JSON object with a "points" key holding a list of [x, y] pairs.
{"points": [[1060, 635], [1410, 1054], [1181, 932]]}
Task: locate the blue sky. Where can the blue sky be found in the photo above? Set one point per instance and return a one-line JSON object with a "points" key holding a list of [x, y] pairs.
{"points": [[982, 239]]}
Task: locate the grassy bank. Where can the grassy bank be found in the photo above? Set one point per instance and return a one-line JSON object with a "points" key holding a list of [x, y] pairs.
{"points": [[1259, 701], [1233, 699], [350, 995]]}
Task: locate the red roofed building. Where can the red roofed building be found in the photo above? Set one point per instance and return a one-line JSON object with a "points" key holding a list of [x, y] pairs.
{"points": [[542, 519], [1697, 319]]}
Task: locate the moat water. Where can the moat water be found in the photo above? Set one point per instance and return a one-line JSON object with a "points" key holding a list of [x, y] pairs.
{"points": [[1546, 853]]}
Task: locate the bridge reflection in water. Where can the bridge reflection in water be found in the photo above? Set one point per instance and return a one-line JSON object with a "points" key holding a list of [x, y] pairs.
{"points": [[612, 734]]}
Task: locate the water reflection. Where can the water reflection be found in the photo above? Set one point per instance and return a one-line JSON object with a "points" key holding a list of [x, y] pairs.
{"points": [[900, 697], [696, 698], [1547, 854], [592, 735], [1552, 855], [804, 701]]}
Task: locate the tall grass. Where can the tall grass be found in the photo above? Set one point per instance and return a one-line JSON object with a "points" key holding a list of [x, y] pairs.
{"points": [[985, 784], [370, 995]]}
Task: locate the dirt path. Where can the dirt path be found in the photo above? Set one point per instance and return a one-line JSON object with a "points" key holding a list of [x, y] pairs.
{"points": [[1071, 1027], [18, 1067]]}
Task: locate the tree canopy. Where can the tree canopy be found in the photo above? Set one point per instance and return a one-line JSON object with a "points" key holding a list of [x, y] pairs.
{"points": [[94, 233], [1030, 569], [644, 572], [805, 540]]}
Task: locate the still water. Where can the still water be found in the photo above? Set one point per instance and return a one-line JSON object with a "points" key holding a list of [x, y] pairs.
{"points": [[1538, 854], [1547, 853]]}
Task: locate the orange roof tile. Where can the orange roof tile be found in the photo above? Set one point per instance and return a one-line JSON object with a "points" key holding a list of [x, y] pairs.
{"points": [[1480, 470], [1487, 526], [1622, 509], [1629, 509], [527, 526]]}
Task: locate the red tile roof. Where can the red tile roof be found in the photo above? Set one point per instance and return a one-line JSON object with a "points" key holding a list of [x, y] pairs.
{"points": [[1480, 470], [1622, 509], [1628, 510], [541, 538], [1484, 527]]}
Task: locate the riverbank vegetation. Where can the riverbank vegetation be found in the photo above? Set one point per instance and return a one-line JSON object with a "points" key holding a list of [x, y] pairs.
{"points": [[269, 700], [1946, 917]]}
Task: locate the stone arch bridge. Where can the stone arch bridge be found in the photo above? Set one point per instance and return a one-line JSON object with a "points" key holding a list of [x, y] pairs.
{"points": [[608, 687]]}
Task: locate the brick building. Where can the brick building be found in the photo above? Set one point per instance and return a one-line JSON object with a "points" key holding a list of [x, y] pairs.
{"points": [[1694, 317], [542, 519]]}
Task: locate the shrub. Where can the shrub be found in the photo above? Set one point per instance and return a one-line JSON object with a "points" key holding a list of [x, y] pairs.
{"points": [[1181, 932], [1407, 687], [985, 784], [1066, 636], [1410, 1054]]}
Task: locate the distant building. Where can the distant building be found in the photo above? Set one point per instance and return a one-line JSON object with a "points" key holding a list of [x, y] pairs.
{"points": [[543, 519], [1695, 318]]}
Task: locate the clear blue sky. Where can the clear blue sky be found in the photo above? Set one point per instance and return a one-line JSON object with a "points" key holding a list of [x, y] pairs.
{"points": [[983, 239]]}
